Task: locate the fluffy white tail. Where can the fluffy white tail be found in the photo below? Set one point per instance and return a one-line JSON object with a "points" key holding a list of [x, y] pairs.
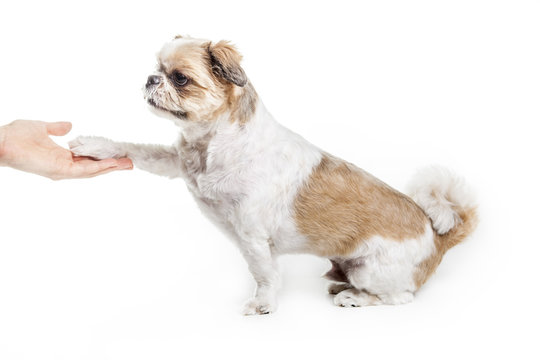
{"points": [[449, 203], [443, 196]]}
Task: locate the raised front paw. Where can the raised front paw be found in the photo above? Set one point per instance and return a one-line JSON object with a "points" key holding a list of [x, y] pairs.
{"points": [[259, 306], [95, 147]]}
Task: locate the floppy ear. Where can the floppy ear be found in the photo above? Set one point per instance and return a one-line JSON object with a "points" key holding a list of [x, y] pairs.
{"points": [[225, 62]]}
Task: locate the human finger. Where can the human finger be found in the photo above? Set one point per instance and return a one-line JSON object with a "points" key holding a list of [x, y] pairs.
{"points": [[58, 128]]}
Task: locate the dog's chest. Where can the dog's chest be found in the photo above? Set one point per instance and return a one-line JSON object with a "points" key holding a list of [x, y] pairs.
{"points": [[193, 157], [215, 186]]}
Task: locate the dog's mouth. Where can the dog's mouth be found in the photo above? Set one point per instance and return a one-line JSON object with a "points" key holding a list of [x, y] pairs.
{"points": [[178, 114], [155, 104]]}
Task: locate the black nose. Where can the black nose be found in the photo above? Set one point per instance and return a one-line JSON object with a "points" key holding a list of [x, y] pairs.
{"points": [[153, 80]]}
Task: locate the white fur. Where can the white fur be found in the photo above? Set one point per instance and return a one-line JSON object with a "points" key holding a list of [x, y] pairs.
{"points": [[438, 191], [387, 270], [389, 265], [253, 173], [157, 159], [352, 297]]}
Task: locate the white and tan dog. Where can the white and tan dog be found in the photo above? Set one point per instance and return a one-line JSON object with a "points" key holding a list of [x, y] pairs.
{"points": [[274, 193]]}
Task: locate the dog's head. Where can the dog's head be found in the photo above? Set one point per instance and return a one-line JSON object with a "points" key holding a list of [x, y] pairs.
{"points": [[196, 80]]}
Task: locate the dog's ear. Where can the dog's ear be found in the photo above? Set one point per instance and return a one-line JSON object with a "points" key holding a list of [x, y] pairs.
{"points": [[225, 62]]}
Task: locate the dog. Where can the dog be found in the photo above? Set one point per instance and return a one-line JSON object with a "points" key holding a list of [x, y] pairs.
{"points": [[272, 192]]}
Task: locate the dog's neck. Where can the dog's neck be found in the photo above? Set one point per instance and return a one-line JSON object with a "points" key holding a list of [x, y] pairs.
{"points": [[238, 110], [243, 103], [229, 133], [196, 132]]}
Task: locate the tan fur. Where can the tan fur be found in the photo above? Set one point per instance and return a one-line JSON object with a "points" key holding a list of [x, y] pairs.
{"points": [[191, 60], [240, 103], [243, 103], [340, 206], [241, 100], [469, 220], [226, 52], [213, 70], [225, 61]]}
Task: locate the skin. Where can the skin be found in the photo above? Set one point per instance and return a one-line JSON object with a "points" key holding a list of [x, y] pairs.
{"points": [[25, 145]]}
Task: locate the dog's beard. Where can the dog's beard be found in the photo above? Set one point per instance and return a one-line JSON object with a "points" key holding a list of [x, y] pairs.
{"points": [[153, 99]]}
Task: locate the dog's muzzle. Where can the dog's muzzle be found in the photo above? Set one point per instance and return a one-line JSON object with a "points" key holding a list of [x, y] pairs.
{"points": [[153, 80]]}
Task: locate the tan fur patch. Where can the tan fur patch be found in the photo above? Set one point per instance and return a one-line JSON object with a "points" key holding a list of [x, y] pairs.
{"points": [[340, 206], [240, 103], [469, 220], [243, 103], [225, 60], [241, 95], [191, 60], [213, 70]]}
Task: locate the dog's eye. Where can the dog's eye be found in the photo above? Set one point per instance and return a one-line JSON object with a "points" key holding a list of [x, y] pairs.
{"points": [[179, 78]]}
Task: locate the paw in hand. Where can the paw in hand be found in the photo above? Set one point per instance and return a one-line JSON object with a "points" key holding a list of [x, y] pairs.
{"points": [[95, 147]]}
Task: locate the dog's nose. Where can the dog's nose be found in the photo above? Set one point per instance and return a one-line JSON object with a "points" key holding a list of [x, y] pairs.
{"points": [[153, 80]]}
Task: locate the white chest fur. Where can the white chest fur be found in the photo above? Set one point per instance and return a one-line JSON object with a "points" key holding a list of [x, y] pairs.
{"points": [[246, 176]]}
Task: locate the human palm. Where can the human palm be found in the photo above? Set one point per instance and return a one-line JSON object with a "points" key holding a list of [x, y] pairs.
{"points": [[27, 146]]}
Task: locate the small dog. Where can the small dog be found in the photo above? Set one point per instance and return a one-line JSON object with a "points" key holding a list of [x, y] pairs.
{"points": [[274, 193]]}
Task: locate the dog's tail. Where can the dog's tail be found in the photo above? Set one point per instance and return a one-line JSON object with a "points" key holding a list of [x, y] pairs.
{"points": [[448, 201]]}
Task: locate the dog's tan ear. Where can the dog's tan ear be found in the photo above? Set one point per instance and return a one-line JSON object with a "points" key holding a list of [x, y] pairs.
{"points": [[225, 62]]}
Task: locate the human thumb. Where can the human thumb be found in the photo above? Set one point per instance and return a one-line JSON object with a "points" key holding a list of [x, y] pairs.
{"points": [[58, 128]]}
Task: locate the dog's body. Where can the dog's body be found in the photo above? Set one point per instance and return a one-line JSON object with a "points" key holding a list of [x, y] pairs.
{"points": [[274, 193]]}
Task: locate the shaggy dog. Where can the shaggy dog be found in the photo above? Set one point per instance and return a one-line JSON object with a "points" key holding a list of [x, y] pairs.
{"points": [[273, 192]]}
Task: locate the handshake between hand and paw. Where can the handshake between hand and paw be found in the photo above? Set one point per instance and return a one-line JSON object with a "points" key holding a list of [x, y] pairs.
{"points": [[26, 145], [96, 147]]}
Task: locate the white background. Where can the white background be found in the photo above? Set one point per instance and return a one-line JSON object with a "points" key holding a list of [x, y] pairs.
{"points": [[124, 266]]}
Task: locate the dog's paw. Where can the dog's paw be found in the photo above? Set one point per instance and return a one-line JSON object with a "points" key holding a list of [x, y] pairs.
{"points": [[95, 147], [355, 298], [259, 306], [346, 300]]}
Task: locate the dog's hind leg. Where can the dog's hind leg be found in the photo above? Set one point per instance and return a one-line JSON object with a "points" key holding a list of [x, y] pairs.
{"points": [[339, 277], [373, 283]]}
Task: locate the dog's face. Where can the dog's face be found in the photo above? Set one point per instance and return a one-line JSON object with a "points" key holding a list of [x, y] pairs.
{"points": [[196, 80]]}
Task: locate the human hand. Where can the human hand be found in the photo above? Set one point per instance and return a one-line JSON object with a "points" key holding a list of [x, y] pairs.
{"points": [[25, 145]]}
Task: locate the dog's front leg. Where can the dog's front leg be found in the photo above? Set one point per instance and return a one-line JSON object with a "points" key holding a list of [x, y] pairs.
{"points": [[157, 159], [263, 266]]}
